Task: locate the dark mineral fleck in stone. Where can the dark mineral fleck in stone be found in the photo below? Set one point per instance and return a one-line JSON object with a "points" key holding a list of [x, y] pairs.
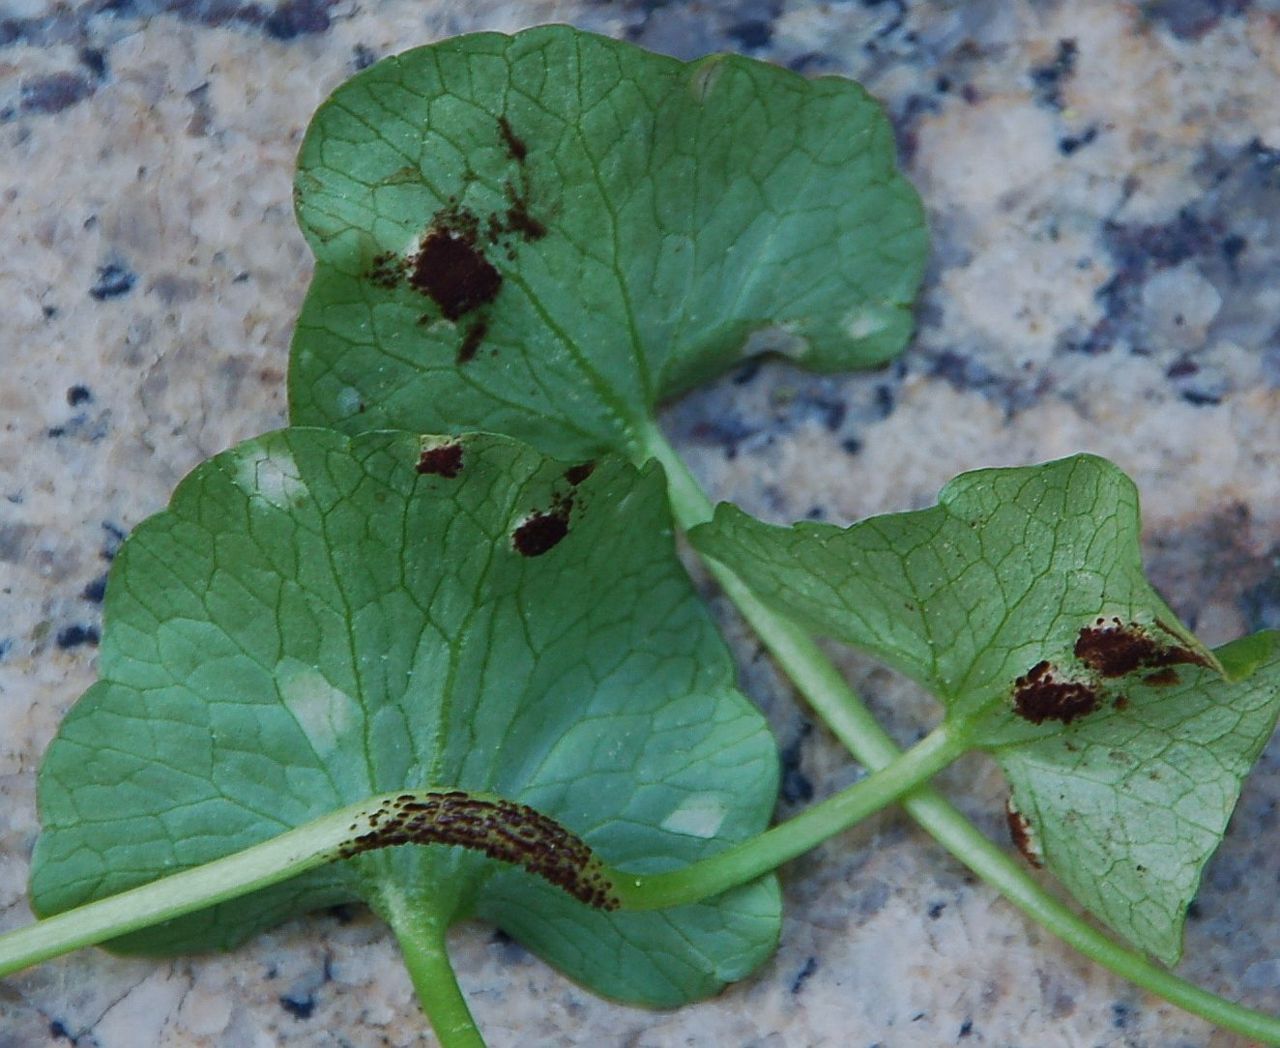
{"points": [[54, 92], [113, 281], [753, 33], [75, 636], [294, 18], [298, 1007], [1047, 79]]}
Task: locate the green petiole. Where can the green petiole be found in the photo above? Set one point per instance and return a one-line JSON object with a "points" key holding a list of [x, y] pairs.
{"points": [[426, 957], [752, 858], [330, 837]]}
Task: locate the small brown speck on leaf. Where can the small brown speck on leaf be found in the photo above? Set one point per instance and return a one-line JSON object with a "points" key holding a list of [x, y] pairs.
{"points": [[387, 270], [1162, 678], [575, 475], [514, 144], [1023, 838], [471, 340]]}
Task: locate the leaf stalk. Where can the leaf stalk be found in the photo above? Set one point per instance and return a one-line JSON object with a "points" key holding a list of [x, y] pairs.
{"points": [[426, 956], [757, 856]]}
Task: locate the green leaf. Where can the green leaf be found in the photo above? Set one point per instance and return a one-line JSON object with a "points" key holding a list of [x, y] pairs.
{"points": [[1020, 601], [546, 234], [316, 620]]}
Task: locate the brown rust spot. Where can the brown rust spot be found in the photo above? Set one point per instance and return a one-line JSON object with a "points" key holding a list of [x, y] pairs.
{"points": [[575, 475], [541, 531], [1162, 678], [387, 270], [1039, 696], [1114, 649], [442, 461], [519, 218], [472, 339], [1178, 655], [539, 534], [513, 143], [450, 268], [500, 829], [1021, 833]]}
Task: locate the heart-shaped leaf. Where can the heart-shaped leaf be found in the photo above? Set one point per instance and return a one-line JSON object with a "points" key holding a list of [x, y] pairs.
{"points": [[316, 620], [546, 234], [1020, 601]]}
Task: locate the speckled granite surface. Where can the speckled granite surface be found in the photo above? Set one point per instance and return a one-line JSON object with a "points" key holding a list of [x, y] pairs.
{"points": [[1103, 182]]}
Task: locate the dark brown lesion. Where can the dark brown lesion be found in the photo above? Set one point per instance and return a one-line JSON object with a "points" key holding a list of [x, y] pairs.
{"points": [[1113, 648], [500, 829], [513, 143], [472, 340], [1107, 649], [542, 530], [1162, 678], [519, 219], [1041, 694], [450, 267], [444, 460], [575, 475], [451, 264]]}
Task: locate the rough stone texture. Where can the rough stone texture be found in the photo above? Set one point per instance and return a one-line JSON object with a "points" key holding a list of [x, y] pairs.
{"points": [[1103, 184]]}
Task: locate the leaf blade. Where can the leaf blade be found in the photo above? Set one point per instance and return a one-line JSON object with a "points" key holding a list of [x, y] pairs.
{"points": [[1019, 600], [315, 620], [641, 217]]}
